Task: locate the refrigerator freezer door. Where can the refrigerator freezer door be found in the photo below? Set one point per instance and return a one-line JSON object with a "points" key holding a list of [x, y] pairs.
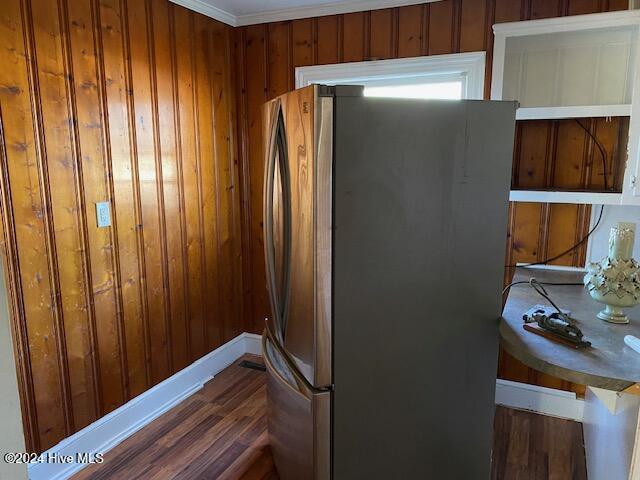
{"points": [[299, 238], [298, 420]]}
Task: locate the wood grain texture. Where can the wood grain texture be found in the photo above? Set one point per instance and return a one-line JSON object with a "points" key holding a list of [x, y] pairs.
{"points": [[106, 106], [547, 153], [527, 446], [561, 154], [220, 432]]}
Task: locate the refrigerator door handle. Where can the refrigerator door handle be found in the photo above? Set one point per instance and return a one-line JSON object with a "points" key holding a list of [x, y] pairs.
{"points": [[276, 372], [276, 162], [304, 387]]}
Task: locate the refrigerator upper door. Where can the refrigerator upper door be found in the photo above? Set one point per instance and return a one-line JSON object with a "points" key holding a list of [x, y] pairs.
{"points": [[298, 216], [299, 419]]}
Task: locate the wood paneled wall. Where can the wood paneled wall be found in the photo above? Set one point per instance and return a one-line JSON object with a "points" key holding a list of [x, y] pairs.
{"points": [[547, 154], [134, 102], [560, 154], [130, 102]]}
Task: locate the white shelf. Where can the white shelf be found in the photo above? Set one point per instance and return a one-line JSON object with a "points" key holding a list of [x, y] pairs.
{"points": [[580, 111], [579, 66], [539, 196]]}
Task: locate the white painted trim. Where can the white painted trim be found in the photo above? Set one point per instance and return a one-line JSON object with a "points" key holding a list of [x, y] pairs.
{"points": [[547, 401], [252, 343], [630, 184], [542, 196], [325, 9], [116, 426], [542, 113], [207, 8], [568, 24], [470, 64], [556, 268]]}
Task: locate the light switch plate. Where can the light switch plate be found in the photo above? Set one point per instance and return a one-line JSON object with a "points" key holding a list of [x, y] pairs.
{"points": [[103, 214]]}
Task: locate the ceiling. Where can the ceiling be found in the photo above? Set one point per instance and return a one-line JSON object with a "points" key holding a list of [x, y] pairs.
{"points": [[248, 12]]}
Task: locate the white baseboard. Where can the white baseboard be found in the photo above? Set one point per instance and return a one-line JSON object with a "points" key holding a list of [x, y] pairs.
{"points": [[114, 427], [253, 343], [547, 401]]}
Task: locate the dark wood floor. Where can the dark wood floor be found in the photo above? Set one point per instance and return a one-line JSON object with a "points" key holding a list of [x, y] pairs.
{"points": [[527, 446], [220, 433]]}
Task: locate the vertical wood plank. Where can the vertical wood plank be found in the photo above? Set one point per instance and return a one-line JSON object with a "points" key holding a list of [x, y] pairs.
{"points": [[9, 253], [614, 5], [229, 253], [131, 373], [353, 37], [564, 231], [205, 94], [245, 175], [302, 42], [150, 186], [611, 134], [190, 169], [255, 97], [327, 43], [545, 9], [410, 28], [531, 154], [381, 34], [579, 7], [441, 27], [508, 11], [570, 156], [171, 183], [279, 55], [526, 232], [473, 25]]}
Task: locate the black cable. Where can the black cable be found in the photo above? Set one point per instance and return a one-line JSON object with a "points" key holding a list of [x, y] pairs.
{"points": [[602, 152], [537, 286], [540, 290], [570, 249], [583, 239], [554, 284]]}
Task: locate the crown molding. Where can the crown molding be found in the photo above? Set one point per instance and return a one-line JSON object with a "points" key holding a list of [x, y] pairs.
{"points": [[322, 10], [201, 6], [208, 10]]}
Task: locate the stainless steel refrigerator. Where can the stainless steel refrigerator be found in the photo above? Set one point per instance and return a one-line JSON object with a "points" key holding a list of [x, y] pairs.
{"points": [[384, 234]]}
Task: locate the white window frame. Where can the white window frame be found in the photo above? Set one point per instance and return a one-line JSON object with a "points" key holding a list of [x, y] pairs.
{"points": [[469, 66]]}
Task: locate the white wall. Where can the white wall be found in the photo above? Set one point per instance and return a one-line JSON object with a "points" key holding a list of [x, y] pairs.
{"points": [[11, 433], [610, 426], [599, 241]]}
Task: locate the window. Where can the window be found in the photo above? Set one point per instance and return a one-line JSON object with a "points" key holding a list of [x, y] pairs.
{"points": [[451, 77]]}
